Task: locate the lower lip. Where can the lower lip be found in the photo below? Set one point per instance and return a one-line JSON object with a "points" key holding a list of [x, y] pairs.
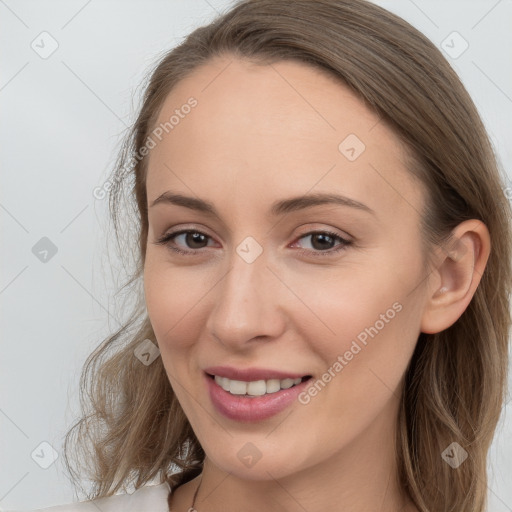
{"points": [[249, 409]]}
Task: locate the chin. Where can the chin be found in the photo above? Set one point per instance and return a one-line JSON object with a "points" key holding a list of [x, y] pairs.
{"points": [[256, 458]]}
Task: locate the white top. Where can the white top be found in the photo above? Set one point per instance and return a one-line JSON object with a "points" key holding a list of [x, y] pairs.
{"points": [[148, 498]]}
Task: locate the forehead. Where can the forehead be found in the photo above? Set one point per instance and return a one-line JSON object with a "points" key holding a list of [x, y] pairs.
{"points": [[270, 131]]}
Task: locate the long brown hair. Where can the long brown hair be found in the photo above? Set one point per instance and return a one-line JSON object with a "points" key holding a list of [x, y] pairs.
{"points": [[133, 428]]}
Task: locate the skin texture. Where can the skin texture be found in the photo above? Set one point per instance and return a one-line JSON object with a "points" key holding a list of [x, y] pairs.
{"points": [[262, 133]]}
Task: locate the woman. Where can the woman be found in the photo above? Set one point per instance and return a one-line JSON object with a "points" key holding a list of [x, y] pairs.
{"points": [[325, 253]]}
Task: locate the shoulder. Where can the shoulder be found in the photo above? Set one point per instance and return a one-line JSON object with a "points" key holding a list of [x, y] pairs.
{"points": [[149, 498]]}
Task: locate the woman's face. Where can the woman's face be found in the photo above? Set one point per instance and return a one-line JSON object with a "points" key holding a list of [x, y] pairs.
{"points": [[277, 275]]}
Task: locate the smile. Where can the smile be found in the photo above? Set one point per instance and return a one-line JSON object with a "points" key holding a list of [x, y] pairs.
{"points": [[255, 387], [253, 400]]}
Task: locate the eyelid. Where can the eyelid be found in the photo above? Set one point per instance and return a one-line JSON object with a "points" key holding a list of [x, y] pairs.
{"points": [[322, 228], [196, 228]]}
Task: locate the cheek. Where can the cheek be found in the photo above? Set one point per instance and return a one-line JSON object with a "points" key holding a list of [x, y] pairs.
{"points": [[346, 302], [173, 298], [367, 326], [364, 361], [173, 301]]}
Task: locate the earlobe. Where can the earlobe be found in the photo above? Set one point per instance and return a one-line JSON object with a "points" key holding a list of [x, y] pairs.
{"points": [[462, 263]]}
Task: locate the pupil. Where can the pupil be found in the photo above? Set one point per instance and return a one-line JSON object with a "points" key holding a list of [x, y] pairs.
{"points": [[196, 238], [323, 237]]}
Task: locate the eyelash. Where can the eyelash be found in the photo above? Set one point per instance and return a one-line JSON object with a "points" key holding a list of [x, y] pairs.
{"points": [[166, 240]]}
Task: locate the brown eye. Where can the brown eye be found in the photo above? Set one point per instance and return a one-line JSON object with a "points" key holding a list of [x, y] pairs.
{"points": [[323, 243], [190, 239], [194, 240]]}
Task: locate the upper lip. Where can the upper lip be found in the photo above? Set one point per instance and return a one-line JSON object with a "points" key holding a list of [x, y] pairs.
{"points": [[251, 374]]}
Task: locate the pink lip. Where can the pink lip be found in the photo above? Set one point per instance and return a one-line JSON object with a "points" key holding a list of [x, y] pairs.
{"points": [[250, 374], [244, 408]]}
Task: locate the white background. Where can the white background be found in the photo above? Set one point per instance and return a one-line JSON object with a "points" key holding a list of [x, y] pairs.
{"points": [[62, 121]]}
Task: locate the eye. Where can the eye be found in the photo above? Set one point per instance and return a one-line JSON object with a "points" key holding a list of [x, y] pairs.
{"points": [[322, 243], [196, 239]]}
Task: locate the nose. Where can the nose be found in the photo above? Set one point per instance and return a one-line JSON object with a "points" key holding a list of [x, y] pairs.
{"points": [[247, 306]]}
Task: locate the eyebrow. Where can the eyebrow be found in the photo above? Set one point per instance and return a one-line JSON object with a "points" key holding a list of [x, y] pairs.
{"points": [[278, 208]]}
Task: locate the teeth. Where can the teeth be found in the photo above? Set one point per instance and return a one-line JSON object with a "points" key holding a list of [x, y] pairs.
{"points": [[273, 385], [287, 383], [237, 387], [256, 387]]}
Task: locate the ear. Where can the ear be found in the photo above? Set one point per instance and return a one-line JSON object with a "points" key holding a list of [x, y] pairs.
{"points": [[453, 282]]}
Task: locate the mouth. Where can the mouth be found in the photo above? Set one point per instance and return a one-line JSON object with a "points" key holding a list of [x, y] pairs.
{"points": [[255, 388], [253, 400]]}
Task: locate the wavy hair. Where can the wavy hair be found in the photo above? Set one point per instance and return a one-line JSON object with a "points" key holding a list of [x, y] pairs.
{"points": [[132, 428]]}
